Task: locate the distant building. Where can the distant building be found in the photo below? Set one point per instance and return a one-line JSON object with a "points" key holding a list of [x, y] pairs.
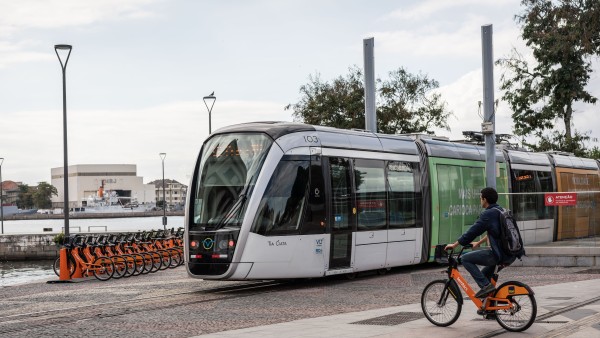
{"points": [[10, 192], [101, 184], [174, 191]]}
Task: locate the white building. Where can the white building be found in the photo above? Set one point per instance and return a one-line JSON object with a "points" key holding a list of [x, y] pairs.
{"points": [[174, 191], [101, 184]]}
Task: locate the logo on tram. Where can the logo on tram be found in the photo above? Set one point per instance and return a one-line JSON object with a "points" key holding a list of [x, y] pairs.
{"points": [[208, 243]]}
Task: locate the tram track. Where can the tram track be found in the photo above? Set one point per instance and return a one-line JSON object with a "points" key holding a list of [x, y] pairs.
{"points": [[16, 323]]}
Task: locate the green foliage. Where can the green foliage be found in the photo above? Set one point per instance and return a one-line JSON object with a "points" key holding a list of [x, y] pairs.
{"points": [[406, 103], [25, 197], [39, 197], [59, 238], [564, 35], [556, 141], [42, 196]]}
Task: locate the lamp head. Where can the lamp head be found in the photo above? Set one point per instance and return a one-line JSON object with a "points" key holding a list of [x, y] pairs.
{"points": [[1, 160], [162, 155], [211, 98], [64, 49]]}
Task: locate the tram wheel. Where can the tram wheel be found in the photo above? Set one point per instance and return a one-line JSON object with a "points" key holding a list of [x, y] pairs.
{"points": [[383, 271], [351, 276]]}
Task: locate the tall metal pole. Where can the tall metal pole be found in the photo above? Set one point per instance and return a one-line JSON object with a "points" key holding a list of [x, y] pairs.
{"points": [[164, 220], [1, 200], [488, 125], [369, 60], [65, 157], [211, 98]]}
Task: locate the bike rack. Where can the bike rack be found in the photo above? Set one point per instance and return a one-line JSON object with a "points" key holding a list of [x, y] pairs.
{"points": [[98, 226]]}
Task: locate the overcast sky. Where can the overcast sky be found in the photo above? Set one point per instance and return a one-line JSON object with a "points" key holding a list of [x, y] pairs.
{"points": [[139, 69]]}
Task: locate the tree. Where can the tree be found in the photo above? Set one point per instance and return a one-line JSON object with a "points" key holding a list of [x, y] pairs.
{"points": [[25, 198], [409, 105], [406, 103], [564, 35], [42, 196]]}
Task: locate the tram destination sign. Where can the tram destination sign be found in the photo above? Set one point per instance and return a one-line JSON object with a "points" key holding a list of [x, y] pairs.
{"points": [[560, 199]]}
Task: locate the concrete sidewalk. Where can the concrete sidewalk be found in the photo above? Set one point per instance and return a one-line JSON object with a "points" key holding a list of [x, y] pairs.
{"points": [[577, 302]]}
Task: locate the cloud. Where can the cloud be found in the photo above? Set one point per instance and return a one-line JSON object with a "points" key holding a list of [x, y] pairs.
{"points": [[22, 15], [11, 53], [425, 9], [122, 135], [62, 13], [441, 41], [463, 95]]}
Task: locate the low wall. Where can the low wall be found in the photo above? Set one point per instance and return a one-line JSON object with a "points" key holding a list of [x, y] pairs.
{"points": [[27, 247]]}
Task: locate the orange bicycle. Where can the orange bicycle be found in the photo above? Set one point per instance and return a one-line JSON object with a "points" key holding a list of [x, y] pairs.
{"points": [[512, 303]]}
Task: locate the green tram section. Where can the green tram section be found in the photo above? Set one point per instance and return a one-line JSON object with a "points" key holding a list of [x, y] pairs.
{"points": [[455, 186]]}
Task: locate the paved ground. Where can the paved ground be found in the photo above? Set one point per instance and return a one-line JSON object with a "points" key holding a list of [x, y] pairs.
{"points": [[169, 304], [574, 314]]}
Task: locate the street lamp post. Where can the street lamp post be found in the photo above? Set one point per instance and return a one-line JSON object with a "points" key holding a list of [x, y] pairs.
{"points": [[164, 219], [1, 201], [211, 98], [65, 49]]}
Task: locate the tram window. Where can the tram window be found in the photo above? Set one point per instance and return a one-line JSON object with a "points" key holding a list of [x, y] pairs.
{"points": [[525, 199], [402, 195], [370, 194], [281, 208], [229, 167], [341, 198], [545, 178]]}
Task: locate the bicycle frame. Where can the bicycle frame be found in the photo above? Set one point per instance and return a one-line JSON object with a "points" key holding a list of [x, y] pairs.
{"points": [[499, 301]]}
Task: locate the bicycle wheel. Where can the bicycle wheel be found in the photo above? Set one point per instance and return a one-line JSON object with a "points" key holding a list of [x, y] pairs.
{"points": [[103, 268], [156, 261], [131, 265], [70, 265], [176, 258], [120, 264], [165, 259], [522, 313], [139, 264], [439, 305], [148, 263]]}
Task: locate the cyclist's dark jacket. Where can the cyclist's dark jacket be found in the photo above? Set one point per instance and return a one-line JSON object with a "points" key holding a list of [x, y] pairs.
{"points": [[489, 221]]}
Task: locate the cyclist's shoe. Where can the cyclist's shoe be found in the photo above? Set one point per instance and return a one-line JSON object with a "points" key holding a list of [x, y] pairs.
{"points": [[486, 314], [485, 290]]}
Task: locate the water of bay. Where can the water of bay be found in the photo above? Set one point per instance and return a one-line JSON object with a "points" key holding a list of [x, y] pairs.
{"points": [[125, 224], [12, 273]]}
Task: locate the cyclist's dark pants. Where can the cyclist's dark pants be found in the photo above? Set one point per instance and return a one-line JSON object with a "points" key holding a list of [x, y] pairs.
{"points": [[485, 258]]}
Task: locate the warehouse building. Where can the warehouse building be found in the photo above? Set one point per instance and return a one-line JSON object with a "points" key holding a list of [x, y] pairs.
{"points": [[94, 185]]}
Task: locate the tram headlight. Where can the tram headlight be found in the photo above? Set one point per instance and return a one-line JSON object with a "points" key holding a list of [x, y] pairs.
{"points": [[194, 244], [223, 244]]}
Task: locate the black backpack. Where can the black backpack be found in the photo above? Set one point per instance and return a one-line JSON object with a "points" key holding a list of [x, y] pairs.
{"points": [[510, 236]]}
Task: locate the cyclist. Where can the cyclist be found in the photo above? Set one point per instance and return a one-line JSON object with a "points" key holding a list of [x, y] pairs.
{"points": [[489, 221]]}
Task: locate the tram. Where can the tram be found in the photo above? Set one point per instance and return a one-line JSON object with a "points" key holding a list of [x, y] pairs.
{"points": [[279, 200]]}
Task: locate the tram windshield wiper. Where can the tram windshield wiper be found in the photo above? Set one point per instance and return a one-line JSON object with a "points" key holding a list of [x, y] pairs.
{"points": [[236, 208]]}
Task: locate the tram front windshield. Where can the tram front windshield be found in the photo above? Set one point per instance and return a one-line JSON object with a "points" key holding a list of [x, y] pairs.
{"points": [[229, 167]]}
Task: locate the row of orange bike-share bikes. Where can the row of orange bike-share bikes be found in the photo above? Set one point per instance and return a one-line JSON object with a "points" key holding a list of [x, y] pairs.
{"points": [[107, 256]]}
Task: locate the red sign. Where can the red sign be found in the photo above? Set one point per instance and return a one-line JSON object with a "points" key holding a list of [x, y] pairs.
{"points": [[371, 204], [560, 199]]}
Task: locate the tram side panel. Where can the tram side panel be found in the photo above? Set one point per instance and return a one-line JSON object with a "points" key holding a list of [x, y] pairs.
{"points": [[530, 177], [582, 219], [455, 194], [287, 256]]}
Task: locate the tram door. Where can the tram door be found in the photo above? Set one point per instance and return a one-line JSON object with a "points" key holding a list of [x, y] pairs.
{"points": [[343, 213]]}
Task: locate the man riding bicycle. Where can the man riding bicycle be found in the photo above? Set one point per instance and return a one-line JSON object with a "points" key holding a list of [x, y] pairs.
{"points": [[489, 221]]}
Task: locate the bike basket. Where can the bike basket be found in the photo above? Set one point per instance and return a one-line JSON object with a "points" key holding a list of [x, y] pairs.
{"points": [[440, 255]]}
